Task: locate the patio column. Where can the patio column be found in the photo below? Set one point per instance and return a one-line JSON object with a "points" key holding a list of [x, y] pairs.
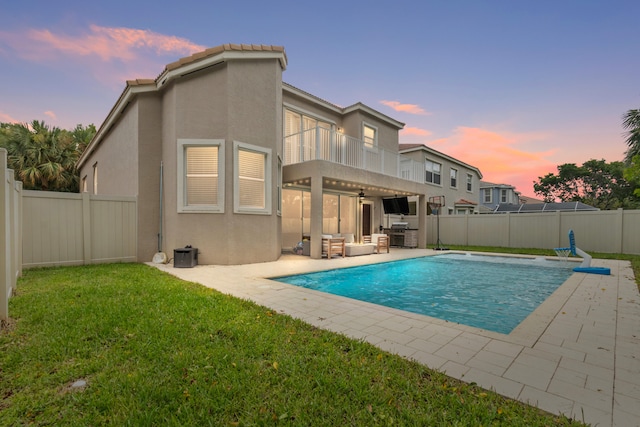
{"points": [[422, 221], [316, 217]]}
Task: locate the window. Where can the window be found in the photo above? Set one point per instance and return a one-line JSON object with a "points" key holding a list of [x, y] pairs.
{"points": [[469, 182], [95, 178], [503, 195], [369, 135], [252, 189], [486, 195], [454, 177], [84, 184], [279, 186], [201, 175], [301, 132], [432, 170]]}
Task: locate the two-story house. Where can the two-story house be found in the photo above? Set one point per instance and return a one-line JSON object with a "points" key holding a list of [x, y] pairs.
{"points": [[224, 156], [456, 182], [492, 195]]}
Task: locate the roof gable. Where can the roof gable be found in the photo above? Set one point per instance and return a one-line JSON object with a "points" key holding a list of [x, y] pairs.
{"points": [[177, 69]]}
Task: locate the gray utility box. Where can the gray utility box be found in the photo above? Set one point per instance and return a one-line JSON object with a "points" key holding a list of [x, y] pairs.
{"points": [[185, 257]]}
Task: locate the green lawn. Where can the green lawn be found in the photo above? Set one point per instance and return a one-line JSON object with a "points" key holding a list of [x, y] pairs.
{"points": [[158, 351]]}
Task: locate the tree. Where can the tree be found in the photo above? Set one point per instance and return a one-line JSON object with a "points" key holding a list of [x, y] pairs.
{"points": [[632, 174], [631, 122], [42, 157], [596, 183]]}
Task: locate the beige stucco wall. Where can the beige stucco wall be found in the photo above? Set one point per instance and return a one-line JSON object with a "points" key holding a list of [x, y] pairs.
{"points": [[451, 194], [387, 135], [237, 101], [149, 152], [312, 108], [117, 158]]}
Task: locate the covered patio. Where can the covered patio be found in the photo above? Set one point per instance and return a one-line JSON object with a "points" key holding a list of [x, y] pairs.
{"points": [[350, 201]]}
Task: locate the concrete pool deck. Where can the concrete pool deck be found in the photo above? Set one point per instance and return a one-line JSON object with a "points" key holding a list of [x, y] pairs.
{"points": [[578, 354]]}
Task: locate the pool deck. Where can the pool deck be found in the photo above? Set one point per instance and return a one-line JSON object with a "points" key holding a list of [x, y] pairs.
{"points": [[578, 354]]}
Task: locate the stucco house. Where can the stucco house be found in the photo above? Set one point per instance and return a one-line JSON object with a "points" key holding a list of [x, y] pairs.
{"points": [[446, 176], [492, 195], [251, 165]]}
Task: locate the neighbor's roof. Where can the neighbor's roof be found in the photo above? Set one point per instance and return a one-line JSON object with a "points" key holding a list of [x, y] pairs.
{"points": [[189, 64], [543, 207], [486, 184], [406, 148], [465, 202]]}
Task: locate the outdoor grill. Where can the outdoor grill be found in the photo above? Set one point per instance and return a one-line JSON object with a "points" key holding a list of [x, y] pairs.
{"points": [[401, 235]]}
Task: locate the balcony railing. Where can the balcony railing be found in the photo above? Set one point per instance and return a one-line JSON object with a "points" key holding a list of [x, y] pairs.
{"points": [[326, 144]]}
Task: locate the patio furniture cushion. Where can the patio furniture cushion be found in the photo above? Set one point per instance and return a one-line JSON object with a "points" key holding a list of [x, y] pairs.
{"points": [[354, 249]]}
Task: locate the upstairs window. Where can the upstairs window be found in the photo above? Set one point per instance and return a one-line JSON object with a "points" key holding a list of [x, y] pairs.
{"points": [[469, 182], [369, 135], [503, 195], [432, 172], [453, 173], [486, 195], [200, 175], [252, 189]]}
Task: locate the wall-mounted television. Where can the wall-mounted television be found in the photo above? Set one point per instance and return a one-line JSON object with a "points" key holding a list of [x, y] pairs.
{"points": [[396, 205]]}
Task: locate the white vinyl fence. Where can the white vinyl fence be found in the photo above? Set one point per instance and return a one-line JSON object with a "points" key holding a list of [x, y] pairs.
{"points": [[76, 229], [10, 234], [598, 231]]}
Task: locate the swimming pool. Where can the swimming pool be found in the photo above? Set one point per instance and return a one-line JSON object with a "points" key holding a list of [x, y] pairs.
{"points": [[490, 292]]}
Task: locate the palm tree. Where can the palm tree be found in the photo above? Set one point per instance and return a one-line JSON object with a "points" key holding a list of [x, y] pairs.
{"points": [[631, 122], [43, 157]]}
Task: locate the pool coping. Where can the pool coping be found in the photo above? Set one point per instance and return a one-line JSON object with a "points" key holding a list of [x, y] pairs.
{"points": [[574, 355]]}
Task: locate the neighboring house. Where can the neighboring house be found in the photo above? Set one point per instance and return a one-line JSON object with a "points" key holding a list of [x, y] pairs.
{"points": [[456, 181], [251, 165], [492, 195]]}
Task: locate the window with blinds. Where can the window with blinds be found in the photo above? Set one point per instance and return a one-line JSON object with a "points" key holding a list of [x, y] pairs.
{"points": [[370, 135], [251, 178], [200, 175], [252, 189]]}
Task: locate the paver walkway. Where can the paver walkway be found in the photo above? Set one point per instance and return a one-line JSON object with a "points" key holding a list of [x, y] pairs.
{"points": [[578, 354]]}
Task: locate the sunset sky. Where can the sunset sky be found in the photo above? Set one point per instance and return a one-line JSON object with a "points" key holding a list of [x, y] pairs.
{"points": [[513, 87]]}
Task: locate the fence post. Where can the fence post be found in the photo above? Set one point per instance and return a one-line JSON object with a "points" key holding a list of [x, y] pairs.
{"points": [[559, 242], [620, 223], [19, 227], [5, 257], [86, 228]]}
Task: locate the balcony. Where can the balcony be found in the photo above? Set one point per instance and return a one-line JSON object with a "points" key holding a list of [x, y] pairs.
{"points": [[325, 144]]}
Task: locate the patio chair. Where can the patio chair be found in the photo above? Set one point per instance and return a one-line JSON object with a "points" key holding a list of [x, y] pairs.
{"points": [[333, 246], [380, 240]]}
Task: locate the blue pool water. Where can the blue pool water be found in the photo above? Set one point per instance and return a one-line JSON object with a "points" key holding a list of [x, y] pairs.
{"points": [[489, 292]]}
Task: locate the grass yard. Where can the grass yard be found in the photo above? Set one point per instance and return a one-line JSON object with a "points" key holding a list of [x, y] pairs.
{"points": [[157, 351]]}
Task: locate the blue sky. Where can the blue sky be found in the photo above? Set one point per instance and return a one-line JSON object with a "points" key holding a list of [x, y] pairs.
{"points": [[512, 87]]}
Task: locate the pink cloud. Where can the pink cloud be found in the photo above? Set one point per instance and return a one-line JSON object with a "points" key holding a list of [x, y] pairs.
{"points": [[105, 43], [413, 131], [110, 54], [406, 108], [6, 118], [50, 114], [502, 157]]}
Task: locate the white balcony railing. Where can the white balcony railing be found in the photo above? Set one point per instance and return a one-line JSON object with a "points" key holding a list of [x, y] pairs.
{"points": [[325, 144]]}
